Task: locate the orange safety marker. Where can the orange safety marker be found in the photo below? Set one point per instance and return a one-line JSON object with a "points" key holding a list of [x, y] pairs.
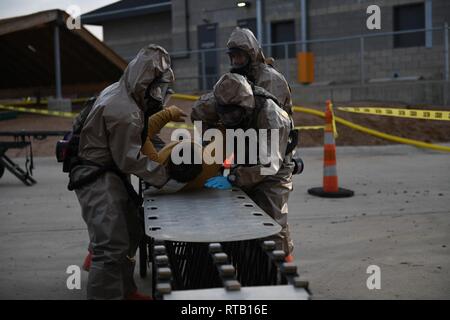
{"points": [[330, 187], [227, 164]]}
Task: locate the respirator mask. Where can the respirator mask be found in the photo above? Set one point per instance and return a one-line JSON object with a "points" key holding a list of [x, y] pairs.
{"points": [[232, 116], [239, 61], [158, 93]]}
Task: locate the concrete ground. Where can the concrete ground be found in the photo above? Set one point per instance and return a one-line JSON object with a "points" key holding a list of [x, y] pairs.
{"points": [[399, 220]]}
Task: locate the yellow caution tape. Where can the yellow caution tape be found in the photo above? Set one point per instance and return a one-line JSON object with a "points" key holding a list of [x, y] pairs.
{"points": [[333, 121], [420, 144], [349, 124], [308, 111], [43, 101], [40, 111], [73, 115], [184, 97], [195, 98], [310, 127], [402, 113], [397, 139], [79, 100], [375, 133], [177, 125], [21, 103]]}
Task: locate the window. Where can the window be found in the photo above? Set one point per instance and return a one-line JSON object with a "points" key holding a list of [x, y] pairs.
{"points": [[248, 23], [409, 17], [208, 69], [283, 32]]}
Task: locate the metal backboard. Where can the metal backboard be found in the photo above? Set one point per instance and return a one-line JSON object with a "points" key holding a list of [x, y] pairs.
{"points": [[206, 216]]}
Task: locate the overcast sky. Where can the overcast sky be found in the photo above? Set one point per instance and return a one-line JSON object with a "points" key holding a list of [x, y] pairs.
{"points": [[12, 8]]}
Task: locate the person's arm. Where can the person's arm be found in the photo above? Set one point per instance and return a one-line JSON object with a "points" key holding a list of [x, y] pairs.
{"points": [[248, 176], [155, 123], [124, 127]]}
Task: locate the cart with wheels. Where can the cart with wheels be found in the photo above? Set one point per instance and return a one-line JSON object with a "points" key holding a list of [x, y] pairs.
{"points": [[214, 244]]}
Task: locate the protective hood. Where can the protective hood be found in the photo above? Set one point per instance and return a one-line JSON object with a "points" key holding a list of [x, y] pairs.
{"points": [[244, 39], [234, 89], [151, 63]]}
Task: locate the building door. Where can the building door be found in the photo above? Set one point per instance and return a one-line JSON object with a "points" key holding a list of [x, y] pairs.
{"points": [[283, 31], [208, 61], [409, 17]]}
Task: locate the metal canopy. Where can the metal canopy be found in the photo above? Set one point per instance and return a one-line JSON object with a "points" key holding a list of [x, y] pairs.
{"points": [[31, 59], [206, 216], [125, 9]]}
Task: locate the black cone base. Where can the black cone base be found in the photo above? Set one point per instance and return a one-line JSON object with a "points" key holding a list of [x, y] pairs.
{"points": [[342, 193]]}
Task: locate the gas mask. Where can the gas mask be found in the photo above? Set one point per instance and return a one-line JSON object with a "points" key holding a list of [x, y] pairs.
{"points": [[232, 116], [239, 61], [158, 93], [156, 96]]}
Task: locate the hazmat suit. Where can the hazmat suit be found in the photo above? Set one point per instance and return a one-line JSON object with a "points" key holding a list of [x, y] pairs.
{"points": [[258, 71], [268, 191], [112, 137]]}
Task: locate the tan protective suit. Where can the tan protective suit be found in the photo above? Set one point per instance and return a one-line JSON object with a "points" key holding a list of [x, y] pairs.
{"points": [[112, 135], [270, 192], [260, 73]]}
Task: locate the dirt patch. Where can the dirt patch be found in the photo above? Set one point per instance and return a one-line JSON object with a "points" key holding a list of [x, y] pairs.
{"points": [[423, 130], [430, 131]]}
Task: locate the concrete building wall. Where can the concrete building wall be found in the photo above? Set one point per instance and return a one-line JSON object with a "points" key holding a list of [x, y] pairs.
{"points": [[336, 62], [128, 36], [201, 12], [412, 92]]}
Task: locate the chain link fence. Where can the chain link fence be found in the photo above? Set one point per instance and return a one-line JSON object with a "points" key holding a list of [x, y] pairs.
{"points": [[420, 54]]}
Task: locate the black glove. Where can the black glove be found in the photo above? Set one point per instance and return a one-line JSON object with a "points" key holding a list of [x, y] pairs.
{"points": [[298, 164]]}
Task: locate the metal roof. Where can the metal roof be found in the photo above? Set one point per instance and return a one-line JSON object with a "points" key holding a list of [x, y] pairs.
{"points": [[27, 55], [125, 9]]}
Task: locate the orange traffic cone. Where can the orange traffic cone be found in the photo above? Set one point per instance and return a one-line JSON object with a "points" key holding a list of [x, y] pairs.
{"points": [[330, 187]]}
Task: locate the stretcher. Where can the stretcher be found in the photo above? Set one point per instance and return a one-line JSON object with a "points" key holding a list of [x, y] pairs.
{"points": [[23, 175], [22, 139], [214, 244]]}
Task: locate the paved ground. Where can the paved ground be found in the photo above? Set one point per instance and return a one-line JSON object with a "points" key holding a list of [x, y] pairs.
{"points": [[398, 220]]}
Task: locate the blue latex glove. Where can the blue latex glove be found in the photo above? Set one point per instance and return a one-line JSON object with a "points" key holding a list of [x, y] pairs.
{"points": [[219, 182]]}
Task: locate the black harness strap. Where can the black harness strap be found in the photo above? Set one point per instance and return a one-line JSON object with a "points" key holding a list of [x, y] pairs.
{"points": [[73, 185]]}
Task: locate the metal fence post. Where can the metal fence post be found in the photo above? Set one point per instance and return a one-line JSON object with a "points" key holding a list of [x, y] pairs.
{"points": [[361, 61], [446, 63], [286, 62], [304, 24], [56, 48], [259, 21], [428, 23], [203, 62]]}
